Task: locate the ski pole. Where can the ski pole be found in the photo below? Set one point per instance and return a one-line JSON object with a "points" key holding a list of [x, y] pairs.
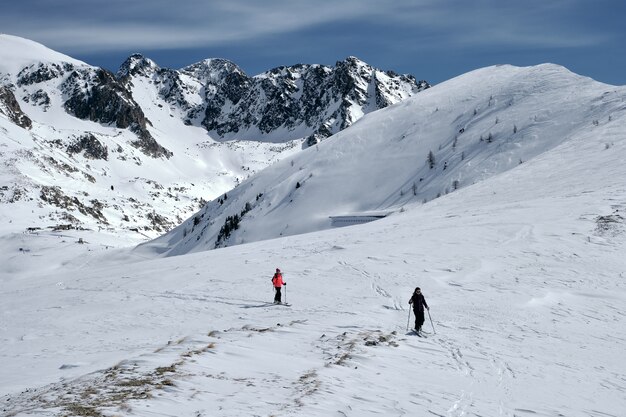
{"points": [[408, 320], [285, 286], [431, 321]]}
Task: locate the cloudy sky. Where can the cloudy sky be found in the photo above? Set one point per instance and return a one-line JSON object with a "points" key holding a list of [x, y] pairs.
{"points": [[431, 39]]}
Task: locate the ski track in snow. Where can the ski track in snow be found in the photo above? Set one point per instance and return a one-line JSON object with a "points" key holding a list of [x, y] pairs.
{"points": [[524, 274], [312, 356], [217, 372]]}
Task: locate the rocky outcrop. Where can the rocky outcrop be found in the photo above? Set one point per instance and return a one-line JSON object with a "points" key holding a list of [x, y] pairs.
{"points": [[42, 72], [54, 196], [89, 146], [316, 99], [11, 109], [285, 102], [95, 94]]}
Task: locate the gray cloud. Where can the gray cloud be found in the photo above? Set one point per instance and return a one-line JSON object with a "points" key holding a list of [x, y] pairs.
{"points": [[90, 26]]}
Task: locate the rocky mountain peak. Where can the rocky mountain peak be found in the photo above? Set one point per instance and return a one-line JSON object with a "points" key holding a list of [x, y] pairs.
{"points": [[137, 65], [213, 70], [352, 61], [308, 99]]}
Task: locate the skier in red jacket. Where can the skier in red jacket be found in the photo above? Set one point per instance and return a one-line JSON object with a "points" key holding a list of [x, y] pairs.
{"points": [[278, 282]]}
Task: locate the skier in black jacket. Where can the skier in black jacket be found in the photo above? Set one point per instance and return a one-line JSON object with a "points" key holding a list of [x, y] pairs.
{"points": [[419, 302]]}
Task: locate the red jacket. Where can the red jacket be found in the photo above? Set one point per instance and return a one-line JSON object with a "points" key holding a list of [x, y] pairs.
{"points": [[277, 280]]}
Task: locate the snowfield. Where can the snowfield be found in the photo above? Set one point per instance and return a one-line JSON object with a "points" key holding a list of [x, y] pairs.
{"points": [[524, 273], [516, 235]]}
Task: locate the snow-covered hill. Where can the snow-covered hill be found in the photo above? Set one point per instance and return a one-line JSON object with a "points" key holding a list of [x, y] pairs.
{"points": [[449, 137], [504, 191], [523, 272], [130, 153]]}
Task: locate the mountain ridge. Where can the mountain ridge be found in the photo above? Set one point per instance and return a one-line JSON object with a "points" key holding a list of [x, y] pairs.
{"points": [[450, 137], [93, 136]]}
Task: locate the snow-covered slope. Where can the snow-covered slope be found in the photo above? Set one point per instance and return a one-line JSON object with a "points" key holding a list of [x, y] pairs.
{"points": [[475, 126], [130, 153], [19, 53], [522, 265], [523, 272]]}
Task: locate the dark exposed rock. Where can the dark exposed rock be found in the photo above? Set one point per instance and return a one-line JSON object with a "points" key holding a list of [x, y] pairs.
{"points": [[610, 225], [96, 95], [11, 109], [54, 196], [41, 72], [90, 147], [160, 223], [147, 144], [39, 98], [134, 65], [313, 100]]}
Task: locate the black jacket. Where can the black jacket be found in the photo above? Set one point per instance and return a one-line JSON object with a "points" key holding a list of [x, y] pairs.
{"points": [[418, 301]]}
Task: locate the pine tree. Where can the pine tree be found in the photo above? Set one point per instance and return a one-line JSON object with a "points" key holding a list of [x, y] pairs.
{"points": [[431, 160]]}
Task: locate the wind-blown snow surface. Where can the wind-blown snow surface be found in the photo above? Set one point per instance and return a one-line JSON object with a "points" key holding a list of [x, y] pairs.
{"points": [[475, 126], [524, 274]]}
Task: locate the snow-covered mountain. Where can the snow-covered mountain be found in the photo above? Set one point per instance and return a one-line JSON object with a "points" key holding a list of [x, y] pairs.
{"points": [[285, 103], [449, 137], [139, 151], [523, 272], [504, 191]]}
